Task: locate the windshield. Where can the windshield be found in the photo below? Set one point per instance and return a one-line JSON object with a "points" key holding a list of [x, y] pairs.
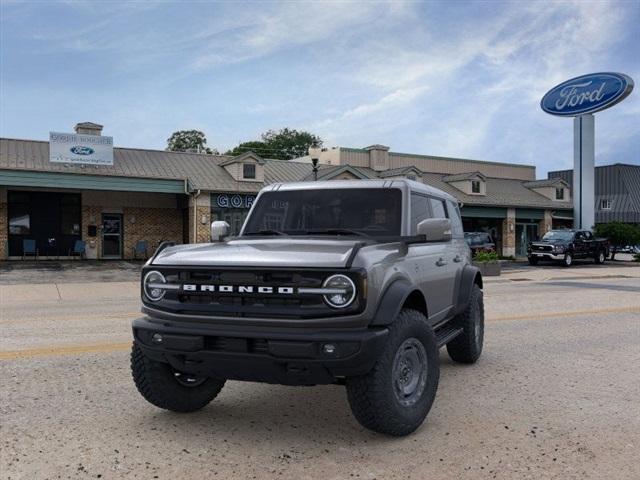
{"points": [[356, 211], [558, 235]]}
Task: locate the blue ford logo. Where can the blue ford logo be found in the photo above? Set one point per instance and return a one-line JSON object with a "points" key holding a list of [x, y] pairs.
{"points": [[587, 94], [79, 150]]}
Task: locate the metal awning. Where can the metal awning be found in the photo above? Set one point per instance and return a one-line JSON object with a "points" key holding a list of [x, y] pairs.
{"points": [[30, 178]]}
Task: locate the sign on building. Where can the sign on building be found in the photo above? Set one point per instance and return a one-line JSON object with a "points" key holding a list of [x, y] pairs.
{"points": [[80, 149]]}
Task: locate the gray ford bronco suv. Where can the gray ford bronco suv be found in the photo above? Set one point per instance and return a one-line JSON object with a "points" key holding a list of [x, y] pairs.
{"points": [[357, 283]]}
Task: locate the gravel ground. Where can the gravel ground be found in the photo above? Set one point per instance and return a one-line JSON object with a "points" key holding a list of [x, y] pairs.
{"points": [[555, 395]]}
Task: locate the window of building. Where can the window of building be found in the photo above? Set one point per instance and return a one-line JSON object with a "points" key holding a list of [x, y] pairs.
{"points": [[605, 204], [249, 170], [560, 193], [475, 186], [19, 213]]}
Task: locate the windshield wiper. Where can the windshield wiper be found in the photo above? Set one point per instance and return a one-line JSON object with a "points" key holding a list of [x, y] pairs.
{"points": [[337, 231], [266, 232]]}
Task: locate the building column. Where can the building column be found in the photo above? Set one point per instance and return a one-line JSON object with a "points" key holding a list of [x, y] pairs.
{"points": [[509, 234], [200, 226], [4, 227], [545, 224]]}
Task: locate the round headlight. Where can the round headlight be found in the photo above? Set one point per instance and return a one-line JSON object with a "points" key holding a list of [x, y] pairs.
{"points": [[343, 291], [151, 285]]}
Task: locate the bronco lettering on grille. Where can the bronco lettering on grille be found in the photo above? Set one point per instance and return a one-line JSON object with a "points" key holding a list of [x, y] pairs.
{"points": [[237, 289]]}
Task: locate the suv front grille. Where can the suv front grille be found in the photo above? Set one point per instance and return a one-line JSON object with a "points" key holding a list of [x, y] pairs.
{"points": [[282, 300]]}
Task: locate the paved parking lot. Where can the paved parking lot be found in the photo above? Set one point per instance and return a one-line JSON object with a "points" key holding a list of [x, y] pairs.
{"points": [[555, 394]]}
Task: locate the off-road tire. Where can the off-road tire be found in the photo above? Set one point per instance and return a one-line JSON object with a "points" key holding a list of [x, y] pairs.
{"points": [[373, 398], [532, 260], [467, 347], [567, 261], [600, 257], [156, 382]]}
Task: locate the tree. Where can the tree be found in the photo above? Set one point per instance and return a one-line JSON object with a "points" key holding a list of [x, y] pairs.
{"points": [[257, 147], [188, 141], [288, 144], [619, 234], [284, 144]]}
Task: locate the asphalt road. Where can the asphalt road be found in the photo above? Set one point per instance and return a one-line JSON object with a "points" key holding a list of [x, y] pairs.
{"points": [[555, 395]]}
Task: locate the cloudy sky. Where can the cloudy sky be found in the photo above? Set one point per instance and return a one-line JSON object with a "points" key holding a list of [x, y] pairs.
{"points": [[451, 78]]}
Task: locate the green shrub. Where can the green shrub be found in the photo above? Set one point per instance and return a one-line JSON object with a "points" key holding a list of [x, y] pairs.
{"points": [[484, 257]]}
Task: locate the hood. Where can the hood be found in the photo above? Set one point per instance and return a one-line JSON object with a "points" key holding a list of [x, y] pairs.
{"points": [[276, 252]]}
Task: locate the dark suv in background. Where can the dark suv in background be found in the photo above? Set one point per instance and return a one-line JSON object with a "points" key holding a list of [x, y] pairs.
{"points": [[479, 242]]}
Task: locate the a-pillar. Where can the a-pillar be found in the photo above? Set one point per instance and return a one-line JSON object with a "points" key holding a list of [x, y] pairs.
{"points": [[509, 234], [200, 218]]}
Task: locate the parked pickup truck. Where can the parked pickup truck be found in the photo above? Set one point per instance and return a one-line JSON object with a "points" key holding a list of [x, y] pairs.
{"points": [[565, 246], [356, 283]]}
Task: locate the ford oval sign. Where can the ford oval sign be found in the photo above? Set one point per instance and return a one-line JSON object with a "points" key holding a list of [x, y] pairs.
{"points": [[79, 150], [587, 94]]}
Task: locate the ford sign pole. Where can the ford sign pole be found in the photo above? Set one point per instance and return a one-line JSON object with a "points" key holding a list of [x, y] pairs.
{"points": [[580, 97], [584, 171]]}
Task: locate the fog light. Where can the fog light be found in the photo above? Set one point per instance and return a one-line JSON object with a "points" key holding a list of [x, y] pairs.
{"points": [[157, 338], [329, 348]]}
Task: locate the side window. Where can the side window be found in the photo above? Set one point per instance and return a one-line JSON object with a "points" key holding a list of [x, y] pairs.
{"points": [[456, 222], [419, 210], [437, 207]]}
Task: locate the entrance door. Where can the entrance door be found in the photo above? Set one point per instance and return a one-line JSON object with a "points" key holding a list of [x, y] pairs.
{"points": [[111, 235], [525, 233]]}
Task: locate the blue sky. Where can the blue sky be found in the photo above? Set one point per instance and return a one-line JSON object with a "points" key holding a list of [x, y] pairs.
{"points": [[461, 79]]}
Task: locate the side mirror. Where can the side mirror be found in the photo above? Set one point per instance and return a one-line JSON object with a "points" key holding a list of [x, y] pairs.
{"points": [[435, 229], [219, 230]]}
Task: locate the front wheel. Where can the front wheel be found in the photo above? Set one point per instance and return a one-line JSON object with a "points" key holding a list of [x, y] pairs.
{"points": [[167, 388], [600, 257], [567, 261], [533, 260], [396, 395]]}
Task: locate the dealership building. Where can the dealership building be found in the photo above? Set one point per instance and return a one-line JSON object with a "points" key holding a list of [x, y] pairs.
{"points": [[113, 199]]}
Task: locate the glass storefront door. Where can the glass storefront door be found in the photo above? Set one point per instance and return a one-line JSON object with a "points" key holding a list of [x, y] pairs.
{"points": [[111, 235], [525, 233]]}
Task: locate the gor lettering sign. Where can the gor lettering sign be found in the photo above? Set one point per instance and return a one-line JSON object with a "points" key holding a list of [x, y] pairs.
{"points": [[587, 94], [233, 201]]}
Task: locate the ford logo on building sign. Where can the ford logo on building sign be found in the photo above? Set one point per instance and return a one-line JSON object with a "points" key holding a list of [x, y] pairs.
{"points": [[587, 94], [80, 150]]}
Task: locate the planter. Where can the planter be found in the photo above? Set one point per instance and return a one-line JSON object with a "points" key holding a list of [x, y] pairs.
{"points": [[489, 269]]}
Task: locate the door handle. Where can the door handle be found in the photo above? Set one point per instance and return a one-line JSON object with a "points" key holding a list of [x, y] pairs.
{"points": [[457, 259], [441, 262]]}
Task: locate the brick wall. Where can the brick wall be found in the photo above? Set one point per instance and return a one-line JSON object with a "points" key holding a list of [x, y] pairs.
{"points": [[4, 227], [203, 231], [151, 224], [509, 233]]}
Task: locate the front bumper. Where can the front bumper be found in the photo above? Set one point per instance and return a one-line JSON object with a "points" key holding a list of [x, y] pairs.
{"points": [[546, 255], [291, 356]]}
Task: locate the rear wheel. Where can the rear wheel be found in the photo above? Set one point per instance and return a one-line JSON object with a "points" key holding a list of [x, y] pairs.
{"points": [[467, 347], [165, 387], [396, 395]]}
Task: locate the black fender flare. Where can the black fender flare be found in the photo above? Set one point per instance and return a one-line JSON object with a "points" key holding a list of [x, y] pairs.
{"points": [[470, 275], [391, 302]]}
